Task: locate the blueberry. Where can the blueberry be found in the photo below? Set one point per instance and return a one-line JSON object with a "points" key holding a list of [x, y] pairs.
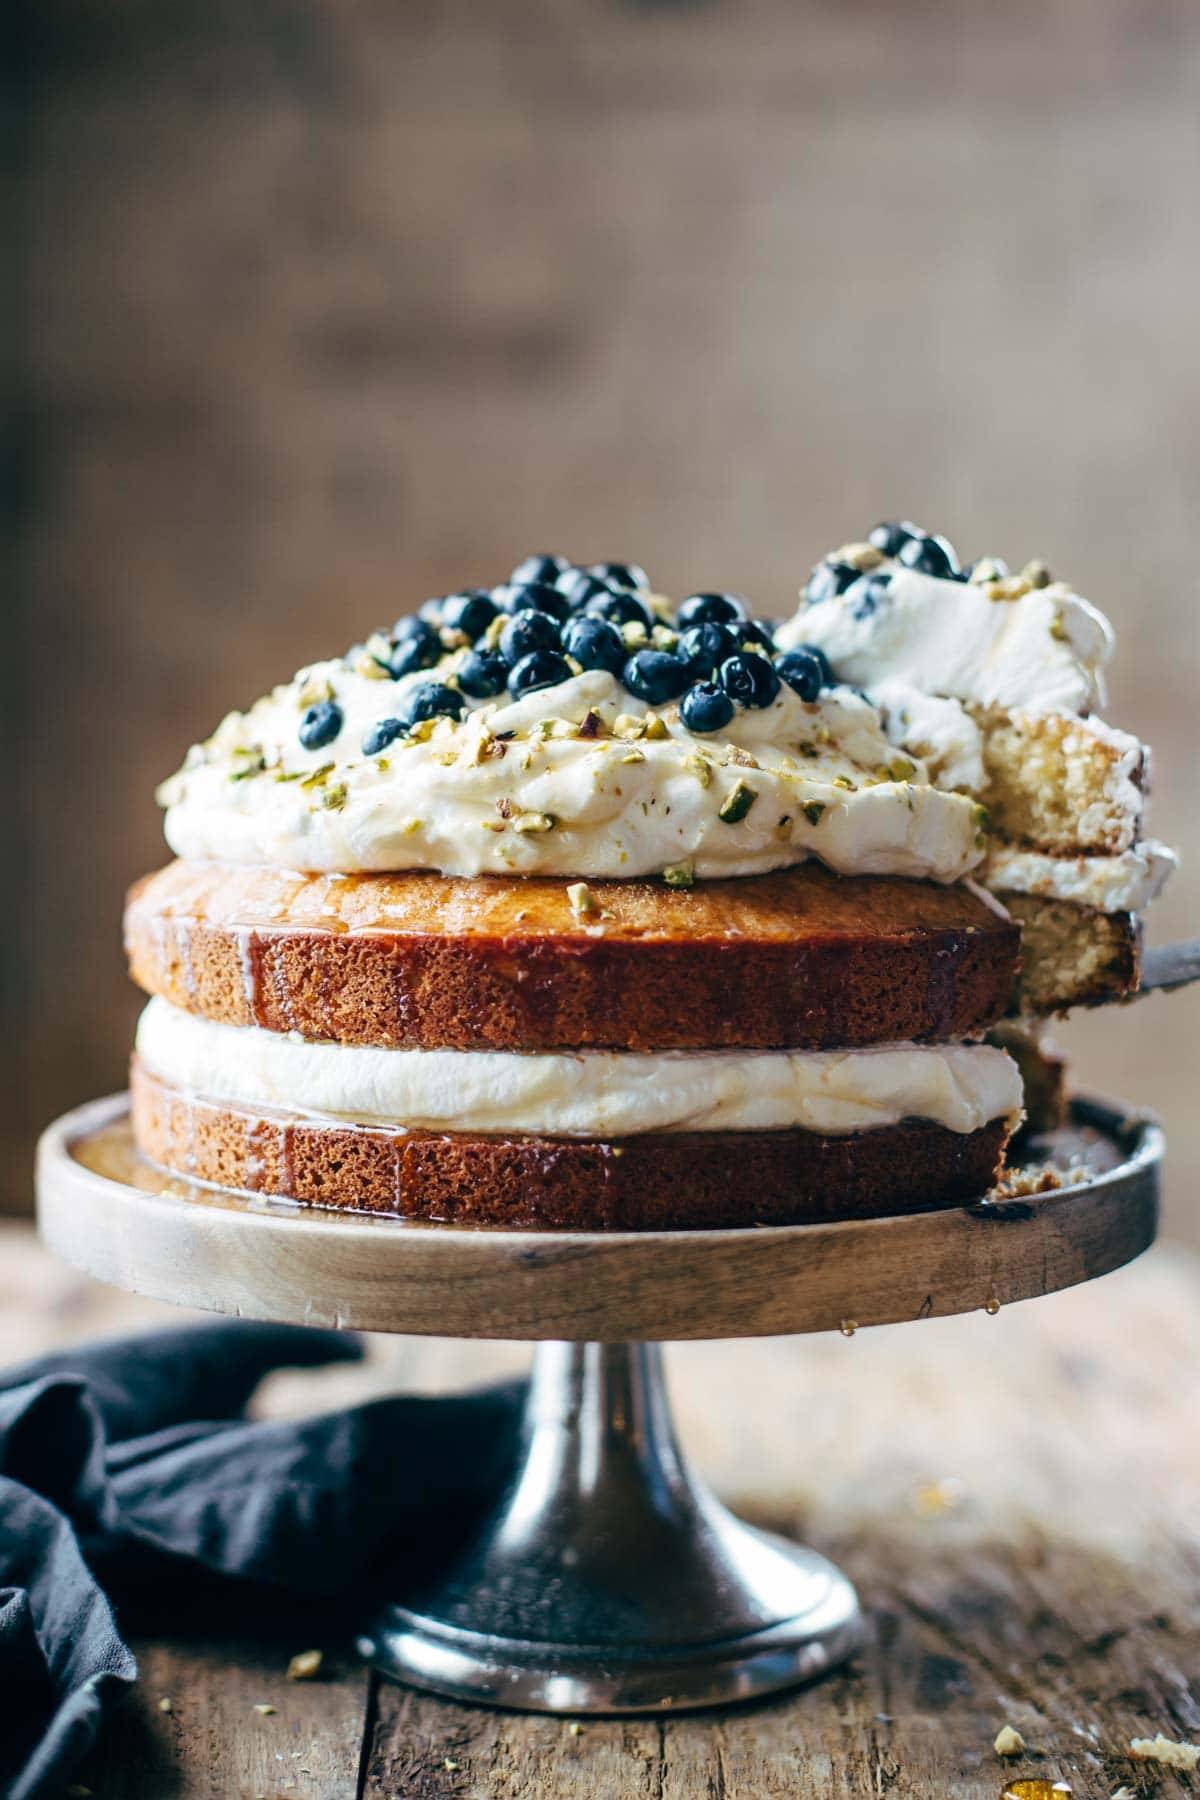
{"points": [[533, 596], [540, 669], [381, 734], [748, 679], [594, 643], [654, 676], [890, 538], [470, 612], [867, 595], [705, 707], [571, 580], [710, 609], [538, 568], [321, 724], [621, 609], [805, 671], [702, 647], [525, 632], [419, 624], [482, 674], [417, 646], [429, 700], [756, 631], [828, 580], [578, 588], [622, 575], [931, 556]]}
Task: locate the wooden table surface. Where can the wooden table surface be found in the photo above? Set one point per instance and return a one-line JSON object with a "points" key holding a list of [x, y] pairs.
{"points": [[1017, 1498]]}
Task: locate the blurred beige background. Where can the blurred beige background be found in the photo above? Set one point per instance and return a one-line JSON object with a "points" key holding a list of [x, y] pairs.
{"points": [[336, 306]]}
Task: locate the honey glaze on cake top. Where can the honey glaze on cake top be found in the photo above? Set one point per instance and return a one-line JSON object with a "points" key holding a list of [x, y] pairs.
{"points": [[568, 723]]}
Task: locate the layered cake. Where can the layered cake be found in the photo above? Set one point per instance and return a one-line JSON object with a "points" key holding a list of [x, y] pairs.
{"points": [[995, 680], [561, 905]]}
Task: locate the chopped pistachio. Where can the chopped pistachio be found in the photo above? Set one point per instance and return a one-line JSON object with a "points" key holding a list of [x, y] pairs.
{"points": [[493, 824], [289, 774], [655, 727], [1058, 627], [737, 803], [1008, 587], [254, 766], [986, 569], [592, 726], [533, 821], [368, 666], [634, 634], [626, 725], [700, 767], [634, 756], [421, 731], [663, 637], [304, 1665], [844, 781], [735, 754], [315, 777], [859, 556], [333, 797], [410, 827], [901, 769], [582, 900], [814, 811], [556, 728], [1036, 574], [680, 874], [491, 636], [315, 689]]}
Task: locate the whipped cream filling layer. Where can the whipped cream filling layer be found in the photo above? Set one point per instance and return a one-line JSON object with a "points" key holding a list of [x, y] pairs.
{"points": [[1044, 650], [576, 780], [581, 1093], [1126, 882]]}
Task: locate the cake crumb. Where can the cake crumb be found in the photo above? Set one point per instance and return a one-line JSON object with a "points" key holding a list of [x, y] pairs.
{"points": [[166, 1704], [304, 1665], [1009, 1742], [262, 1708], [1165, 1750]]}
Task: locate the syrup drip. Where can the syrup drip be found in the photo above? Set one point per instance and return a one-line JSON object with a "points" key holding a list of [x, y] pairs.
{"points": [[1034, 1788], [848, 1327]]}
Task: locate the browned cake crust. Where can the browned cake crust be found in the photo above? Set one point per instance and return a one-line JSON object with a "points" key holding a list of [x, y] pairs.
{"points": [[802, 959], [666, 1181], [1073, 955]]}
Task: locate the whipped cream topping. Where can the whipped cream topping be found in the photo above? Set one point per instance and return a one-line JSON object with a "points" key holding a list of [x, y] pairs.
{"points": [[588, 1093], [577, 779], [982, 642], [1126, 882]]}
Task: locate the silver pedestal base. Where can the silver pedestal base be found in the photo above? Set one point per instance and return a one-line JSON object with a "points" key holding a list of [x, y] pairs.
{"points": [[610, 1579]]}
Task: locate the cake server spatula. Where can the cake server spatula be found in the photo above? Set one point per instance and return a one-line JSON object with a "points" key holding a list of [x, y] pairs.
{"points": [[1171, 965]]}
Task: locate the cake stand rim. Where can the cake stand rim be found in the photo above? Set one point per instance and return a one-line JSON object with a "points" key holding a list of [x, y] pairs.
{"points": [[484, 1282]]}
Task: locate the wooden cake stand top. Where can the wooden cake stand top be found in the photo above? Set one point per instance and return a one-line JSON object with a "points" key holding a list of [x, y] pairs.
{"points": [[105, 1209]]}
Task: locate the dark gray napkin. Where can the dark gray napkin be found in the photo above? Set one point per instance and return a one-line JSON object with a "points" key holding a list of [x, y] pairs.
{"points": [[128, 1469]]}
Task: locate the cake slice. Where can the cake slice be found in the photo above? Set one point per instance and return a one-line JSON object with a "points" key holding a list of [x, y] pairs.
{"points": [[992, 678]]}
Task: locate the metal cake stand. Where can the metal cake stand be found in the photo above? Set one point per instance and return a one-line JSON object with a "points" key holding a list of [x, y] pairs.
{"points": [[609, 1579]]}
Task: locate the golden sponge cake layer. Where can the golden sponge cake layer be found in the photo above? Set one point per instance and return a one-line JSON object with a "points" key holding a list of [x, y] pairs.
{"points": [[676, 1180], [801, 959]]}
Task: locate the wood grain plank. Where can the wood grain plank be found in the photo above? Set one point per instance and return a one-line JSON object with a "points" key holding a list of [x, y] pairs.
{"points": [[214, 1745]]}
